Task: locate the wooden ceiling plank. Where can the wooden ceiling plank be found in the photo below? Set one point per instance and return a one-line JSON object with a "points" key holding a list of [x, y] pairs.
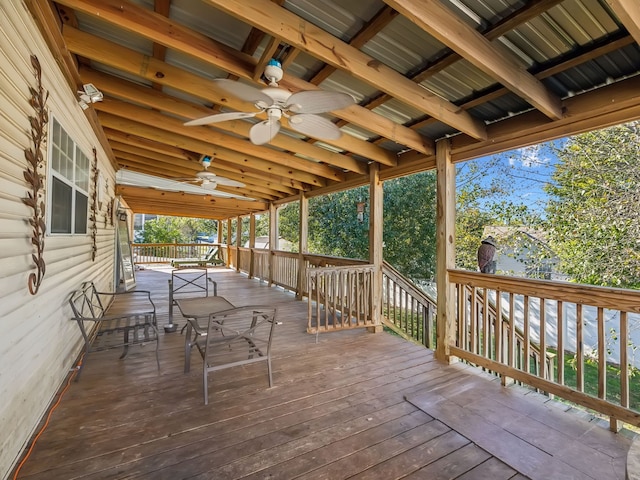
{"points": [[164, 122], [159, 29], [148, 145], [146, 131], [133, 62], [151, 193], [381, 19], [435, 19], [290, 28]]}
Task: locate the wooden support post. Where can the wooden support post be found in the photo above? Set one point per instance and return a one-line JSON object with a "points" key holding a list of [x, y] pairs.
{"points": [[228, 242], [252, 243], [273, 238], [445, 250], [238, 241], [375, 243], [219, 233], [302, 245]]}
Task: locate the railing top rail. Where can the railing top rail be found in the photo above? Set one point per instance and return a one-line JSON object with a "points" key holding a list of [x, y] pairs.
{"points": [[406, 284], [613, 298], [355, 268]]}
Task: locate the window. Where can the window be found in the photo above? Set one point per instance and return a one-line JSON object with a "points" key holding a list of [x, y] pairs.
{"points": [[69, 197]]}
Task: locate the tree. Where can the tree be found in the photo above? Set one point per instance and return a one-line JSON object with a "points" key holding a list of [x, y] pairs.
{"points": [[594, 209], [176, 229]]}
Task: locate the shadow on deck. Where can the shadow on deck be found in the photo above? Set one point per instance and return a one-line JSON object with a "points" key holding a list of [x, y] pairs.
{"points": [[355, 405]]}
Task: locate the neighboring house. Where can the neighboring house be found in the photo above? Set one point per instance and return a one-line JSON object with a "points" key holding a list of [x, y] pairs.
{"points": [[524, 252]]}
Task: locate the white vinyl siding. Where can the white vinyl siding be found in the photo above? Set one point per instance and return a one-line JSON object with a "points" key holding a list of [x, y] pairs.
{"points": [[39, 342]]}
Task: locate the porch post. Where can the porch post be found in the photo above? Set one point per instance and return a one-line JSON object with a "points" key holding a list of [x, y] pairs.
{"points": [[302, 244], [375, 243], [219, 233], [229, 242], [445, 249], [273, 238], [238, 241], [252, 242]]}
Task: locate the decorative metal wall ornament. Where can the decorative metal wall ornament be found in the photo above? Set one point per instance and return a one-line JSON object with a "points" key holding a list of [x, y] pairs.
{"points": [[94, 206], [32, 175], [110, 205]]}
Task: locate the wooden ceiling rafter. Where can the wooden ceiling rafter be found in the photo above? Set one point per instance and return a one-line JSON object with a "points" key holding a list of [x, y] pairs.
{"points": [[155, 27], [279, 22]]}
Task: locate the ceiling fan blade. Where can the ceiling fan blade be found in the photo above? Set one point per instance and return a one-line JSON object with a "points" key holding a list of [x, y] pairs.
{"points": [[318, 101], [242, 91], [314, 126], [219, 117], [264, 131], [227, 182]]}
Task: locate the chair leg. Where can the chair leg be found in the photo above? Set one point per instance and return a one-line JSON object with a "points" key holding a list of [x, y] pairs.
{"points": [[269, 370], [187, 353], [206, 387]]}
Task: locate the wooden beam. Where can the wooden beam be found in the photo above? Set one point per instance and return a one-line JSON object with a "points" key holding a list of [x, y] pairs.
{"points": [[132, 62], [159, 29], [164, 122], [435, 19], [380, 20], [146, 131], [628, 11], [313, 40]]}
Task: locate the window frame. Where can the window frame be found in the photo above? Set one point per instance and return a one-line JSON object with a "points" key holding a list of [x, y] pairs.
{"points": [[79, 165]]}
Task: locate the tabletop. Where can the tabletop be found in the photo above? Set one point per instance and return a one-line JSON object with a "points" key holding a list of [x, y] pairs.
{"points": [[201, 307]]}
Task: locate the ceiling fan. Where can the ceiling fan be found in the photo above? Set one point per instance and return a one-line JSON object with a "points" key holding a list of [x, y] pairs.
{"points": [[209, 180], [299, 108]]}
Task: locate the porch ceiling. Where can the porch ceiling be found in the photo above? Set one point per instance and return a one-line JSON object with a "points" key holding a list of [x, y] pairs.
{"points": [[491, 75]]}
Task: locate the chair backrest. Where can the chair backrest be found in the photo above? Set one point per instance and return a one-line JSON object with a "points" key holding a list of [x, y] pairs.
{"points": [[85, 302], [240, 335], [191, 282]]}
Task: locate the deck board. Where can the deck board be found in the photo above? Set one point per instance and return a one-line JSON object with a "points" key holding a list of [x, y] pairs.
{"points": [[338, 409]]}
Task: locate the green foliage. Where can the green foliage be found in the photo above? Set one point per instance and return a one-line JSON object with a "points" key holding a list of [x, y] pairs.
{"points": [[334, 228], [176, 229], [409, 224], [594, 209]]}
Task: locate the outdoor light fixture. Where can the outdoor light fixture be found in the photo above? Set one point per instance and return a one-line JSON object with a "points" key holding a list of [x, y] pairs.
{"points": [[89, 94], [360, 210]]}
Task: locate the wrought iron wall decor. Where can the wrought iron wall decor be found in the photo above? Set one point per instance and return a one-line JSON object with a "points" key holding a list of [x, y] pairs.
{"points": [[32, 175], [110, 205], [94, 206]]}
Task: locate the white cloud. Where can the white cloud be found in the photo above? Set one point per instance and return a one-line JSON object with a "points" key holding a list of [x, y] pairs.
{"points": [[529, 157]]}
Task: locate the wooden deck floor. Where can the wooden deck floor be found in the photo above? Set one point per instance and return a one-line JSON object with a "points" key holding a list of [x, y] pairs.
{"points": [[355, 405]]}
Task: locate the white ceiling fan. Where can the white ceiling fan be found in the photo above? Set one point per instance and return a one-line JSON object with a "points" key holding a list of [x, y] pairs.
{"points": [[209, 180], [299, 108]]}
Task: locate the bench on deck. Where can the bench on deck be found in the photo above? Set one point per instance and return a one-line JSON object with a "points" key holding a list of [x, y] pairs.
{"points": [[209, 259], [114, 320]]}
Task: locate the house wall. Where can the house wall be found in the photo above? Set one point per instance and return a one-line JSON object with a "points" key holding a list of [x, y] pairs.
{"points": [[39, 343]]}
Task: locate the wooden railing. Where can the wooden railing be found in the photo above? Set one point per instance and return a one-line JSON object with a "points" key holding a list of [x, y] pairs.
{"points": [[406, 309], [340, 298], [165, 252], [582, 332]]}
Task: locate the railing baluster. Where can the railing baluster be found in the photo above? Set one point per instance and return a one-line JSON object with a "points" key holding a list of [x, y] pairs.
{"points": [[602, 356], [624, 360], [579, 350], [560, 328]]}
